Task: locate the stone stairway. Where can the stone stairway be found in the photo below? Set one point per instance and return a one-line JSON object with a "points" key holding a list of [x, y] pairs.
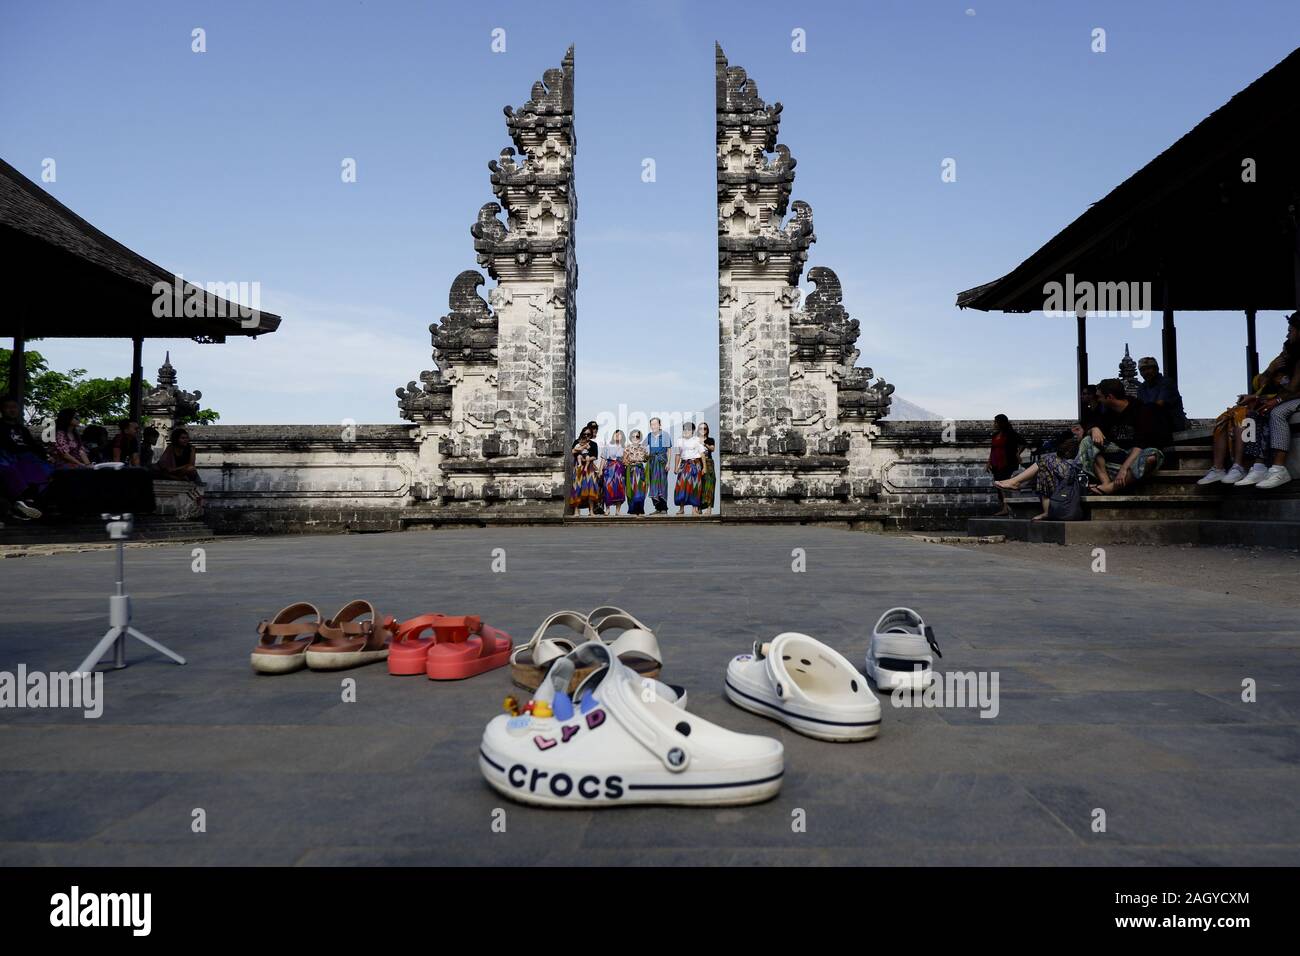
{"points": [[1169, 508]]}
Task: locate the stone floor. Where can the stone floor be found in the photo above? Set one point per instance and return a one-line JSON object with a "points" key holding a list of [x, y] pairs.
{"points": [[1115, 695]]}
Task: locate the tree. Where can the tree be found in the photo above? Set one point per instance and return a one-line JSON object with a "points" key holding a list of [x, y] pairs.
{"points": [[98, 401]]}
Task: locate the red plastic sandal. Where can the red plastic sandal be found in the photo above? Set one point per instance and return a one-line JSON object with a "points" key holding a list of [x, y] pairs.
{"points": [[459, 658], [409, 651]]}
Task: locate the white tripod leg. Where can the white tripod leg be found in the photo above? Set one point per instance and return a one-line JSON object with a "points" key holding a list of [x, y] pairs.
{"points": [[100, 649], [155, 645]]}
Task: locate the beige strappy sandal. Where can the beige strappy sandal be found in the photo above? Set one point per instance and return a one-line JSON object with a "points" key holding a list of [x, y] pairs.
{"points": [[283, 640], [636, 648], [346, 641], [530, 662]]}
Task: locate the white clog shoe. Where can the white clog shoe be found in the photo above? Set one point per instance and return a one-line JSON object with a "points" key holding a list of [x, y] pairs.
{"points": [[623, 742], [900, 652], [805, 685]]}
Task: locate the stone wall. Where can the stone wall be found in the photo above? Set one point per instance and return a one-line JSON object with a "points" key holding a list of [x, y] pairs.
{"points": [[305, 478]]}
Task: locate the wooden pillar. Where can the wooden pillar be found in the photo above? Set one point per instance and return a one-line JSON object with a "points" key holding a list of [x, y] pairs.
{"points": [[137, 378], [1081, 358], [1297, 264], [18, 368], [1168, 338], [1252, 352]]}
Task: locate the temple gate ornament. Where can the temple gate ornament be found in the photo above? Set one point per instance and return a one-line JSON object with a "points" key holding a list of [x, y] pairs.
{"points": [[797, 413], [496, 417]]}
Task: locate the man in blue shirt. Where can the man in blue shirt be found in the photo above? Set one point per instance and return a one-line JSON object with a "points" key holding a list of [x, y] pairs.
{"points": [[1159, 391]]}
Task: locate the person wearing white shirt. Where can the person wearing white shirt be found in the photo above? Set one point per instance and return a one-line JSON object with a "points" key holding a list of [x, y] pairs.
{"points": [[687, 462], [615, 478]]}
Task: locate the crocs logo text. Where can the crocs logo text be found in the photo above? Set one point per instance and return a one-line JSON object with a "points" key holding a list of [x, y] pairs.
{"points": [[562, 785]]}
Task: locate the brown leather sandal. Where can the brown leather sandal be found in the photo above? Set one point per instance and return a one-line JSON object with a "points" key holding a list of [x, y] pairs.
{"points": [[283, 642], [347, 642]]}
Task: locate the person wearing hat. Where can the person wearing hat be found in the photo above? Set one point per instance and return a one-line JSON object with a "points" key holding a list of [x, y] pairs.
{"points": [[1158, 390]]}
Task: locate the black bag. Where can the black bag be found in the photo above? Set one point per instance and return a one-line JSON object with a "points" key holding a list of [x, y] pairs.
{"points": [[1066, 503], [90, 492]]}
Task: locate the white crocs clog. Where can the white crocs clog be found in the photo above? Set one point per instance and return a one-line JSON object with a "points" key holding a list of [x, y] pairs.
{"points": [[900, 652], [621, 744], [805, 685]]}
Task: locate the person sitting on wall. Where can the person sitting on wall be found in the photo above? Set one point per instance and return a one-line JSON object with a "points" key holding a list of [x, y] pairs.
{"points": [[67, 450], [126, 445], [148, 447], [94, 440], [1004, 457], [1133, 439], [24, 467], [178, 460], [1159, 391]]}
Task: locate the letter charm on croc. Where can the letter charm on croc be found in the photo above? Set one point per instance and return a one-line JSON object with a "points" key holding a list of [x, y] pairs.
{"points": [[623, 746]]}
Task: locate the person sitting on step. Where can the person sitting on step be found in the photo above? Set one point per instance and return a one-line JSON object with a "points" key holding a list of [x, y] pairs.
{"points": [[1134, 440], [1258, 425]]}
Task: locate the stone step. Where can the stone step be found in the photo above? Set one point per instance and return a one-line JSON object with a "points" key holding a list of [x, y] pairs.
{"points": [[1265, 534], [147, 528]]}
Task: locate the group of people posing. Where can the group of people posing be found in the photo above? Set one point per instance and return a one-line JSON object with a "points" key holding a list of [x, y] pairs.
{"points": [[633, 468], [28, 465]]}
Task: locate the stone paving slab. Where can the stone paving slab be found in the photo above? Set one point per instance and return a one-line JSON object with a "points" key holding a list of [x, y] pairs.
{"points": [[1113, 694]]}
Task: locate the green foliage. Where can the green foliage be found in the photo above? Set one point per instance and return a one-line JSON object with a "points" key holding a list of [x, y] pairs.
{"points": [[98, 401]]}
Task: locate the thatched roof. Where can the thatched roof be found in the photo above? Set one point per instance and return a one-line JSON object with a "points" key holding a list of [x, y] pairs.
{"points": [[1188, 217], [72, 280]]}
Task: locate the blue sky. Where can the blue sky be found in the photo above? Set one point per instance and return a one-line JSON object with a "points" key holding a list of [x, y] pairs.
{"points": [[224, 166]]}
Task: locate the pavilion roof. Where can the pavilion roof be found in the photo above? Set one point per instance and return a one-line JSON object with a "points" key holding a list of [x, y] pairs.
{"points": [[72, 280], [1187, 217]]}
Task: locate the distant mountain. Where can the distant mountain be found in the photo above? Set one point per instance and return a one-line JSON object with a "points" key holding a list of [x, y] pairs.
{"points": [[904, 411]]}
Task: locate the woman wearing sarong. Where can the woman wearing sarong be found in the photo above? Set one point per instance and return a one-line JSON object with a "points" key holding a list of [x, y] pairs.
{"points": [[708, 473], [613, 476], [585, 490], [658, 444], [1051, 469], [687, 456], [635, 457]]}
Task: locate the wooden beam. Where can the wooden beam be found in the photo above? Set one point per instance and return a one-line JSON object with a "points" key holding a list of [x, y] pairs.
{"points": [[137, 378], [1252, 352], [1081, 358], [18, 369], [1168, 338]]}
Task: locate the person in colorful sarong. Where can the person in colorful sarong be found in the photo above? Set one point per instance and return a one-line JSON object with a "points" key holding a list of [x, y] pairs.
{"points": [[708, 472], [1051, 469], [635, 460], [613, 480], [658, 444], [585, 490], [687, 455]]}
